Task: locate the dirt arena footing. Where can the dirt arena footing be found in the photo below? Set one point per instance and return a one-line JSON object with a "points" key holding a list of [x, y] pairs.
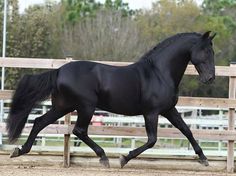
{"points": [[31, 160], [48, 165]]}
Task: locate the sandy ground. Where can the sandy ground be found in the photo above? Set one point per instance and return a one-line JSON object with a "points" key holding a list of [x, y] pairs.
{"points": [[84, 171], [36, 165]]}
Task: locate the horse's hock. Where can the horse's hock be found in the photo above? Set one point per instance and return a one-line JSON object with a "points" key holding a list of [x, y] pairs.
{"points": [[66, 129]]}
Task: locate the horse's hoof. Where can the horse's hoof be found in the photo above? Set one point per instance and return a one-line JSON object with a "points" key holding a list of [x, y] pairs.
{"points": [[105, 162], [15, 153], [123, 161], [203, 162]]}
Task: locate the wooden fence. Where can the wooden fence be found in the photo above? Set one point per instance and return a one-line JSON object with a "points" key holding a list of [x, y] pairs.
{"points": [[66, 129]]}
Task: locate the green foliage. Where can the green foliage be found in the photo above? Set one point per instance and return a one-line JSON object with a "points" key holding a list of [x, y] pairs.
{"points": [[217, 6], [28, 35], [119, 5], [74, 10], [168, 17], [222, 12]]}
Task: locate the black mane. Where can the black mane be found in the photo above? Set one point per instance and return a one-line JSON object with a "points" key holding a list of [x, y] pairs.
{"points": [[165, 43]]}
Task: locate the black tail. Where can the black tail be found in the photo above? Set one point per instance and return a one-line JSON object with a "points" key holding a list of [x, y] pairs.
{"points": [[30, 90]]}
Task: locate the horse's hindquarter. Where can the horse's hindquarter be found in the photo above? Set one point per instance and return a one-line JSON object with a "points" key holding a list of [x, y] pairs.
{"points": [[77, 84]]}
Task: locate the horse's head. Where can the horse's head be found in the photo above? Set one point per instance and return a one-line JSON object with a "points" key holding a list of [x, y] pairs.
{"points": [[202, 57]]}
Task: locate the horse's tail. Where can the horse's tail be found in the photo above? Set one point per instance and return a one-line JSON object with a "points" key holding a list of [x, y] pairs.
{"points": [[30, 90]]}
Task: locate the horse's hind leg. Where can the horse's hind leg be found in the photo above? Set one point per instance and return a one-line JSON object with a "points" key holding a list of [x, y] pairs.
{"points": [[81, 131], [39, 123], [174, 117]]}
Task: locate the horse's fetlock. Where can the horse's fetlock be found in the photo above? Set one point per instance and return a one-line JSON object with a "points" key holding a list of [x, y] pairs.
{"points": [[151, 142], [199, 151], [24, 151], [103, 156], [101, 151]]}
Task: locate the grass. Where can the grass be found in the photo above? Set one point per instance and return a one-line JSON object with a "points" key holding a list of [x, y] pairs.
{"points": [[126, 142]]}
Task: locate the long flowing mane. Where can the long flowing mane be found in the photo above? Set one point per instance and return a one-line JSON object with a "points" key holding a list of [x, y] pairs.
{"points": [[165, 43]]}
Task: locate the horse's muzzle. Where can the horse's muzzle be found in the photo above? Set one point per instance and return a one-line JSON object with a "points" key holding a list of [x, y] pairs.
{"points": [[208, 79]]}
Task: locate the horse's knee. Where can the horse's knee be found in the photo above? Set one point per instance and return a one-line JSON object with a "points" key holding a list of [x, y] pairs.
{"points": [[80, 133], [76, 132]]}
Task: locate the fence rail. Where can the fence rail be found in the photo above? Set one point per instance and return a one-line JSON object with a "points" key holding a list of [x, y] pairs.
{"points": [[66, 129], [56, 63], [132, 132]]}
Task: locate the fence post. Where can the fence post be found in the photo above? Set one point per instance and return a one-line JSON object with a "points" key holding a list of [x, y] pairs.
{"points": [[231, 121], [66, 154]]}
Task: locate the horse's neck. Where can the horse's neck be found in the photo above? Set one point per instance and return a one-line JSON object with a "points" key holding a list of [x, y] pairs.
{"points": [[173, 63]]}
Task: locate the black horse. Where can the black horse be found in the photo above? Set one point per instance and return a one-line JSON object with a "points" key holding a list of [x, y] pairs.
{"points": [[148, 87]]}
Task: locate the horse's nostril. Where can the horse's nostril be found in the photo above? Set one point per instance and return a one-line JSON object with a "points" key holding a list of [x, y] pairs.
{"points": [[211, 79]]}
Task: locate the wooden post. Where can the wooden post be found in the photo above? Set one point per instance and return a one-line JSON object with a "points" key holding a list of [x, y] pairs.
{"points": [[231, 123], [66, 154]]}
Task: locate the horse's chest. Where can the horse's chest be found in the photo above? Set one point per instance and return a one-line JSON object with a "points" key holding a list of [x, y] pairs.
{"points": [[168, 101], [161, 100]]}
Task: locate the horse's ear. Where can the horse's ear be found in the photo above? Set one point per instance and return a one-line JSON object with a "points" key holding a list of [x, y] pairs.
{"points": [[206, 35], [211, 37]]}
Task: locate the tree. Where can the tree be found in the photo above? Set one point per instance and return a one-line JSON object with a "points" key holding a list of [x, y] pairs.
{"points": [[217, 6], [99, 31], [218, 15], [168, 17], [223, 11], [39, 31], [107, 36], [28, 36], [119, 5], [74, 10]]}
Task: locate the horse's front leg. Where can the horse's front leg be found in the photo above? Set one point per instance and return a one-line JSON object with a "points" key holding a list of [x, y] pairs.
{"points": [[151, 121], [81, 131], [174, 117]]}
